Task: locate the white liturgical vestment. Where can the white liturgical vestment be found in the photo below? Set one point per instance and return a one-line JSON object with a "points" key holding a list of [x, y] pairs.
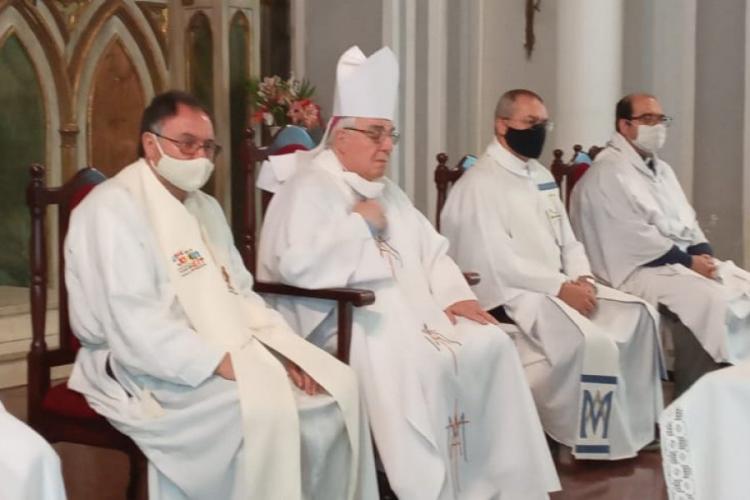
{"points": [[205, 437], [451, 413], [627, 215], [29, 467], [590, 376], [705, 436]]}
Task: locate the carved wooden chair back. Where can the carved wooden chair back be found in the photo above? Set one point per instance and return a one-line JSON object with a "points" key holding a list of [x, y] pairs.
{"points": [[445, 177], [567, 174], [56, 412]]}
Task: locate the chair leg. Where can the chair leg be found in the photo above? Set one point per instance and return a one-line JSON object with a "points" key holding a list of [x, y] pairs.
{"points": [[138, 483]]}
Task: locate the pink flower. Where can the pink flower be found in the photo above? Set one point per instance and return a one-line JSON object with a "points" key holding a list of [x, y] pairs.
{"points": [[305, 113], [270, 89]]}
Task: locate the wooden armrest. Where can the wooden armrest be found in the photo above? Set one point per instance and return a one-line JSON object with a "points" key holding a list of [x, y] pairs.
{"points": [[356, 296], [347, 298], [472, 278]]}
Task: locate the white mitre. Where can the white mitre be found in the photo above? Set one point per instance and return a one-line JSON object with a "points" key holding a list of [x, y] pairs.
{"points": [[366, 87]]}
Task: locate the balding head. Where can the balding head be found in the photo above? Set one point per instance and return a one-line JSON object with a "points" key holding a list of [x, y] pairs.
{"points": [[641, 111], [521, 114], [633, 106], [506, 105]]}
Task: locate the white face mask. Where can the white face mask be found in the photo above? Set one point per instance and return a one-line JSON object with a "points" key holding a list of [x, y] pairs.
{"points": [[187, 175], [651, 137]]}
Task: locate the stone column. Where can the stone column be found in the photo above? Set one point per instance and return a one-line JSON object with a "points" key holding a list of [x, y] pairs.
{"points": [[589, 71]]}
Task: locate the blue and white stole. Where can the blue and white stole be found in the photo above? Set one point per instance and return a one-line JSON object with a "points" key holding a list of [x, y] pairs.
{"points": [[599, 376]]}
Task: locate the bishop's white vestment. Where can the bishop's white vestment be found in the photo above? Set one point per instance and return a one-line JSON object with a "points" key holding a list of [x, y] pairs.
{"points": [[628, 215], [595, 376], [149, 352], [29, 467], [451, 413], [705, 436]]}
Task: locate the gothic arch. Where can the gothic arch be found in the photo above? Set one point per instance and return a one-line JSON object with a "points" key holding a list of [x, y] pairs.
{"points": [[135, 25], [113, 31], [49, 77]]}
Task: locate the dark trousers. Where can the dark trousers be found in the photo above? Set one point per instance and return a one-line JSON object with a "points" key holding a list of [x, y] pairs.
{"points": [[691, 360]]}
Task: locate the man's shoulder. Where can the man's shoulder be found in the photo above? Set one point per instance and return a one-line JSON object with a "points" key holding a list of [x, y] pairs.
{"points": [[108, 205], [477, 176], [609, 162], [309, 186], [613, 158], [309, 178], [540, 172], [110, 194]]}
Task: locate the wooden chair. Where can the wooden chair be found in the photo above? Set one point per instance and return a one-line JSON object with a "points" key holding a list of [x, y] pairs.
{"points": [[567, 174], [445, 177], [346, 298], [58, 413]]}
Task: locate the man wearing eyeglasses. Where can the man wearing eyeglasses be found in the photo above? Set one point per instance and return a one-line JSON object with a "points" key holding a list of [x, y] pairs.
{"points": [[643, 237], [591, 353], [180, 354], [448, 403]]}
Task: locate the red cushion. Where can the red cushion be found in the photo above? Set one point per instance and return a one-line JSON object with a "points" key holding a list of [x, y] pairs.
{"points": [[289, 148], [578, 170], [80, 194], [75, 344], [63, 401]]}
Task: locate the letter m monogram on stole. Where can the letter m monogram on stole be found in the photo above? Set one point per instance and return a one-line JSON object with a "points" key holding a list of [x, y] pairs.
{"points": [[597, 398], [596, 409]]}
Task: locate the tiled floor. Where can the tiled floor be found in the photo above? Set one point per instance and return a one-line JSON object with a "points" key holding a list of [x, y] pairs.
{"points": [[92, 473]]}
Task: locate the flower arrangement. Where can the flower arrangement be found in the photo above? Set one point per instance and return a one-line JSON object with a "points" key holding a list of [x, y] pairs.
{"points": [[277, 102]]}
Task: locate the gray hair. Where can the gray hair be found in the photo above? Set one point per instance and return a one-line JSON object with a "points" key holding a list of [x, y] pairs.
{"points": [[506, 105], [342, 123]]}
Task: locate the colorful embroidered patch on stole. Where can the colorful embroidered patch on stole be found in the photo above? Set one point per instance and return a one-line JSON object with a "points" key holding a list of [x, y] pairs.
{"points": [[188, 261]]}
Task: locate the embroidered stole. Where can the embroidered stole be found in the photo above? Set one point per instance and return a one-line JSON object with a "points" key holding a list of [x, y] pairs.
{"points": [[252, 334], [600, 363]]}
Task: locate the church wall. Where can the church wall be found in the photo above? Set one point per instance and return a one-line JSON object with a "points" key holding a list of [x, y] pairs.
{"points": [[746, 145], [719, 121], [659, 58], [332, 27], [504, 65], [89, 66], [421, 161]]}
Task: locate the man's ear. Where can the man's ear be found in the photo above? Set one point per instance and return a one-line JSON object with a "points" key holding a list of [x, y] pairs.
{"points": [[622, 126], [500, 127], [148, 140]]}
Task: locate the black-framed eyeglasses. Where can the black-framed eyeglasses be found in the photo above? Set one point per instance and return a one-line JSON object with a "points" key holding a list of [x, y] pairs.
{"points": [[653, 119], [191, 145], [378, 134], [548, 125]]}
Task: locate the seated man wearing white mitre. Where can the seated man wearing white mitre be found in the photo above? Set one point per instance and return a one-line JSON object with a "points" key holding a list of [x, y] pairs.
{"points": [[451, 413]]}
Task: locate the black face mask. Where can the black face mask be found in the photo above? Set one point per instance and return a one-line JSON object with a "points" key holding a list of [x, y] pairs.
{"points": [[527, 142]]}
